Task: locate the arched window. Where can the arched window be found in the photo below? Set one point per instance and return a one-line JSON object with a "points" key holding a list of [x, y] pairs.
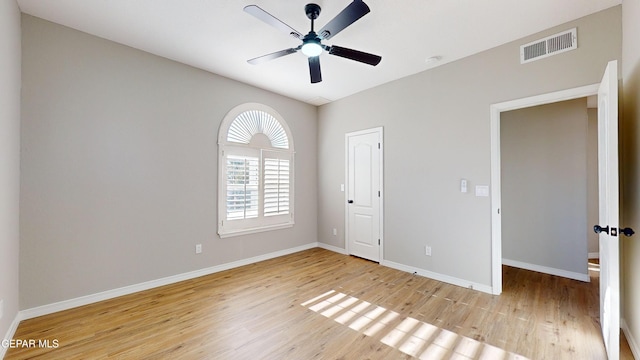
{"points": [[255, 171]]}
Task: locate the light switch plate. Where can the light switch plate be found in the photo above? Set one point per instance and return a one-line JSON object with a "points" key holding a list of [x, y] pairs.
{"points": [[482, 190]]}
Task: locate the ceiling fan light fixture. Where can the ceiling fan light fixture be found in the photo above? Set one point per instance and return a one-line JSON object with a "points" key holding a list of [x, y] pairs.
{"points": [[311, 48]]}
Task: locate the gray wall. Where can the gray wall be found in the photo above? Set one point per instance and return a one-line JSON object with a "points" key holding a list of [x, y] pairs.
{"points": [[593, 243], [9, 160], [630, 167], [544, 185], [119, 166], [436, 128]]}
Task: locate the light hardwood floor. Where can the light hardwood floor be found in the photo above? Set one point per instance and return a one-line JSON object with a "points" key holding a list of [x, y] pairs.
{"points": [[317, 304]]}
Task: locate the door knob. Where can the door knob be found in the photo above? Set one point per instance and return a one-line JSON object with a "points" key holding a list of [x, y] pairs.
{"points": [[350, 201], [627, 231], [598, 229]]}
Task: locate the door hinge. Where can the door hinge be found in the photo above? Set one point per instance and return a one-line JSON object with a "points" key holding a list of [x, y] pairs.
{"points": [[378, 241], [378, 193], [378, 145]]}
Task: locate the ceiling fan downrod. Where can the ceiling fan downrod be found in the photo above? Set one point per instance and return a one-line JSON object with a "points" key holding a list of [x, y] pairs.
{"points": [[312, 11]]}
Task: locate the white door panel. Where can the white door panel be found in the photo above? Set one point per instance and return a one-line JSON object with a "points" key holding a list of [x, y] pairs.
{"points": [[362, 177], [363, 236], [609, 210]]}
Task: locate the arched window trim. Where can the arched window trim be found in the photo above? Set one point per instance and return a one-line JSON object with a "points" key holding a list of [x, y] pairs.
{"points": [[260, 161]]}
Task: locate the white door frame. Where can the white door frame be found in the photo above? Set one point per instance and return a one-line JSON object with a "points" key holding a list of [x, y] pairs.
{"points": [[496, 196], [380, 132]]}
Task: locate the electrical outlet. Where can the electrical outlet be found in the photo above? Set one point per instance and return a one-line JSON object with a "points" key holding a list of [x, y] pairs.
{"points": [[1, 308], [198, 248], [427, 250], [335, 232]]}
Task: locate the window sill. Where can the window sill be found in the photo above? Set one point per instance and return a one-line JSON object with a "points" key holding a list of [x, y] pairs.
{"points": [[232, 233]]}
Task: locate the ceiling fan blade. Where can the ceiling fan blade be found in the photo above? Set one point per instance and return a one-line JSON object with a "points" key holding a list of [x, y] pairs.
{"points": [[268, 57], [314, 69], [346, 17], [356, 55], [272, 20]]}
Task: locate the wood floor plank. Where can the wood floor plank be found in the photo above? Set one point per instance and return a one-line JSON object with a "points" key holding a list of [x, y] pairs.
{"points": [[317, 304]]}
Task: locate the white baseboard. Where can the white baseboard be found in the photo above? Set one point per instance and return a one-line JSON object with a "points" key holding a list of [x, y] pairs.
{"points": [[110, 294], [633, 344], [547, 270], [10, 332], [332, 248], [594, 255], [436, 276]]}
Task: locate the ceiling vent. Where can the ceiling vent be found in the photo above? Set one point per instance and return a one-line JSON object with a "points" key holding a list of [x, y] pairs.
{"points": [[549, 46]]}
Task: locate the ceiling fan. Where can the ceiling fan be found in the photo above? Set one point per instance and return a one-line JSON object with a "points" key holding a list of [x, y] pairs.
{"points": [[312, 45]]}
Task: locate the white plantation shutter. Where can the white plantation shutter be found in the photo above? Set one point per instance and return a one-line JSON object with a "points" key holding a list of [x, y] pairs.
{"points": [[276, 186], [243, 183], [255, 175], [252, 122]]}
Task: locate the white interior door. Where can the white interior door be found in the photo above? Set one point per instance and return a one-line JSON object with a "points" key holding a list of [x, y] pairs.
{"points": [[364, 180], [608, 210]]}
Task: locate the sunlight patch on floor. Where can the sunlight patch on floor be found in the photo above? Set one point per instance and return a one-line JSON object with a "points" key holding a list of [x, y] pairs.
{"points": [[411, 336]]}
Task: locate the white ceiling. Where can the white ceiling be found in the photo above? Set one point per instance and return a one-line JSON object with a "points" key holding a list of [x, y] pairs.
{"points": [[218, 36]]}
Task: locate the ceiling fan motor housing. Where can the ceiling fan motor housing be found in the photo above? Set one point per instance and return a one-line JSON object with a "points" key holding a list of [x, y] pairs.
{"points": [[312, 10]]}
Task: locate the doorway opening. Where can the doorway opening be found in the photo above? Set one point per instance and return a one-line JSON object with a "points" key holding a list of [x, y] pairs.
{"points": [[496, 186], [549, 187], [608, 195]]}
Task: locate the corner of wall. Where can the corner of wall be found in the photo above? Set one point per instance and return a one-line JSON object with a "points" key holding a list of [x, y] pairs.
{"points": [[10, 68]]}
